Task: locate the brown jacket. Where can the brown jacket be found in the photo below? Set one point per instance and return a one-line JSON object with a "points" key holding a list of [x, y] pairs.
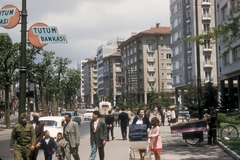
{"points": [[39, 129]]}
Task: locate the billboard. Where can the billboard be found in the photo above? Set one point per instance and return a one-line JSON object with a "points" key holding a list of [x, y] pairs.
{"points": [[9, 16], [41, 34]]}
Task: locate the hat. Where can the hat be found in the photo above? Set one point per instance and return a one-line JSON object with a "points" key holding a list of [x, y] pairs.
{"points": [[35, 114], [23, 115]]}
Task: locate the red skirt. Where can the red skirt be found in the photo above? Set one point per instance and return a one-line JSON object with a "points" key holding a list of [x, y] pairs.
{"points": [[156, 150]]}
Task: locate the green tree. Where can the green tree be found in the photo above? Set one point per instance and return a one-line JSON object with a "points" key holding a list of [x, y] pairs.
{"points": [[9, 60]]}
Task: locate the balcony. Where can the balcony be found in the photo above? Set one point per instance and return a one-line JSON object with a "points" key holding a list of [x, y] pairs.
{"points": [[189, 50], [151, 79], [207, 64], [188, 20], [206, 2], [207, 48], [151, 59], [206, 17], [188, 34], [190, 66], [151, 69], [208, 79], [187, 5], [150, 50], [150, 89]]}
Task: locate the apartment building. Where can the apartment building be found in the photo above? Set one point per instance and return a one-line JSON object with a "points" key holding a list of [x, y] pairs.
{"points": [[102, 51], [189, 19], [146, 63], [228, 62], [111, 71], [80, 91], [89, 74]]}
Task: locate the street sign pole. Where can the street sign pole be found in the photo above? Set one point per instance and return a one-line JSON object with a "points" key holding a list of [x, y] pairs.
{"points": [[23, 68]]}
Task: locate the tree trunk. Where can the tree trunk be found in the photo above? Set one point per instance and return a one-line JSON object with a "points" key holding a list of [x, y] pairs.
{"points": [[55, 107], [36, 97], [7, 110]]}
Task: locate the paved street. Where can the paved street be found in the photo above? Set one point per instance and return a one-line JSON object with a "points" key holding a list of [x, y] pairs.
{"points": [[174, 147]]}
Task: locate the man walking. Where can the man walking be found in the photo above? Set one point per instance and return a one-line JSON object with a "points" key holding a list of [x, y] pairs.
{"points": [[109, 120], [72, 136], [162, 114], [124, 122], [212, 118], [24, 135], [39, 130], [98, 136]]}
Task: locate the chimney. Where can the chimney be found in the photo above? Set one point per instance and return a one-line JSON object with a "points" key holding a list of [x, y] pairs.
{"points": [[158, 25]]}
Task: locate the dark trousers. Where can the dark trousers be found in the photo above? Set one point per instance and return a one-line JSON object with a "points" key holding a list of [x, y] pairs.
{"points": [[124, 131], [116, 123], [109, 129], [162, 119], [212, 135], [101, 153], [35, 154], [48, 156]]}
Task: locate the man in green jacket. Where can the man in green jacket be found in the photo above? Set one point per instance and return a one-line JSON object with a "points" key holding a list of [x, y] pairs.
{"points": [[98, 136], [24, 136]]}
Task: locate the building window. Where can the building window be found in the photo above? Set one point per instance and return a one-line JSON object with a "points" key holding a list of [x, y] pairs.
{"points": [[169, 76], [169, 85], [169, 65], [162, 56], [162, 85], [162, 75], [150, 47], [162, 65], [168, 56]]}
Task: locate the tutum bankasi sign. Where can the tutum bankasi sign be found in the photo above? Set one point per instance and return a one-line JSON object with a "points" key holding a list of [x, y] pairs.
{"points": [[40, 35], [9, 16]]}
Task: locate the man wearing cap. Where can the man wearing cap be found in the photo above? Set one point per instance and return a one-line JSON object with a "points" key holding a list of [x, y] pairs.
{"points": [[24, 136], [39, 130]]}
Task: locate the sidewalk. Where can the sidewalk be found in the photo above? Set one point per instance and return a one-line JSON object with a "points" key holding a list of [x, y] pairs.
{"points": [[174, 147], [6, 133]]}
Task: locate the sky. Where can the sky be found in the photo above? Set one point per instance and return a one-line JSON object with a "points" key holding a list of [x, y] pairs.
{"points": [[89, 24]]}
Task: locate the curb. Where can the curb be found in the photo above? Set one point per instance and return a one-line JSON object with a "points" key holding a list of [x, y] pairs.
{"points": [[233, 154]]}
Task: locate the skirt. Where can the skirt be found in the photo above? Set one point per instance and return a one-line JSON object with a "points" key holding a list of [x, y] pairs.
{"points": [[156, 150]]}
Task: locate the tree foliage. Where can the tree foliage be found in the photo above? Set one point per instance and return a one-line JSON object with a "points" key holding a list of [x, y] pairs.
{"points": [[9, 62]]}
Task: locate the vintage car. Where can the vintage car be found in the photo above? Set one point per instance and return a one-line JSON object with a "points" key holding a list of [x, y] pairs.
{"points": [[53, 124], [88, 114], [75, 118]]}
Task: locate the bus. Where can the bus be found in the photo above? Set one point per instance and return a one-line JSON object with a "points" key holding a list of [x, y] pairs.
{"points": [[104, 107], [82, 105]]}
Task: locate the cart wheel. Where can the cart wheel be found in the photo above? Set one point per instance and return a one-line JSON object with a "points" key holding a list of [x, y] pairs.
{"points": [[193, 142], [229, 133]]}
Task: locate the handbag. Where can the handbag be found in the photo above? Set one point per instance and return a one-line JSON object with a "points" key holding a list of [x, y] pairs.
{"points": [[138, 132]]}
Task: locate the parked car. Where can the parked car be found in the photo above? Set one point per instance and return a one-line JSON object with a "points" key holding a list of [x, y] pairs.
{"points": [[88, 114], [53, 124], [75, 118]]}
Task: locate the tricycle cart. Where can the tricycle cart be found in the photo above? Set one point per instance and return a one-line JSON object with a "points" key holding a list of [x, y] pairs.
{"points": [[192, 132]]}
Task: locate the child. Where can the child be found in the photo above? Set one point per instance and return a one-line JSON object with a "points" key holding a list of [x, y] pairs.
{"points": [[48, 145], [60, 142], [155, 138]]}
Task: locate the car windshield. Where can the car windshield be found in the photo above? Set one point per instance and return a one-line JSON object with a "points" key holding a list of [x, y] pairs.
{"points": [[50, 123], [89, 111]]}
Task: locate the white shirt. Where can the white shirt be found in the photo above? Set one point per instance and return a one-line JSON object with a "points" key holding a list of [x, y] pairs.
{"points": [[95, 125], [47, 140]]}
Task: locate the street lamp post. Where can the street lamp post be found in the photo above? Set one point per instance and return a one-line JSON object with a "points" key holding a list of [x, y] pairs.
{"points": [[23, 68]]}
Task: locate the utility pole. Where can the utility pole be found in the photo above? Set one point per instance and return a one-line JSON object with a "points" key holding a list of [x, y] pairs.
{"points": [[198, 66], [23, 68]]}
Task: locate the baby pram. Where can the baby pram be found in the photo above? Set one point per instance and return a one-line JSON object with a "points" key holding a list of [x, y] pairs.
{"points": [[138, 140]]}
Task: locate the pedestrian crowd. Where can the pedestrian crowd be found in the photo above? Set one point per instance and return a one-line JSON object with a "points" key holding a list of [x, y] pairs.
{"points": [[28, 138]]}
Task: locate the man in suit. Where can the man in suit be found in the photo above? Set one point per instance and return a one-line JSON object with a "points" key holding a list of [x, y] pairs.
{"points": [[98, 136], [124, 122], [39, 130], [109, 120], [72, 136]]}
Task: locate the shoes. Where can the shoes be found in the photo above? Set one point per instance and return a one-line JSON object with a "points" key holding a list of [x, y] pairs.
{"points": [[112, 138], [124, 138]]}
